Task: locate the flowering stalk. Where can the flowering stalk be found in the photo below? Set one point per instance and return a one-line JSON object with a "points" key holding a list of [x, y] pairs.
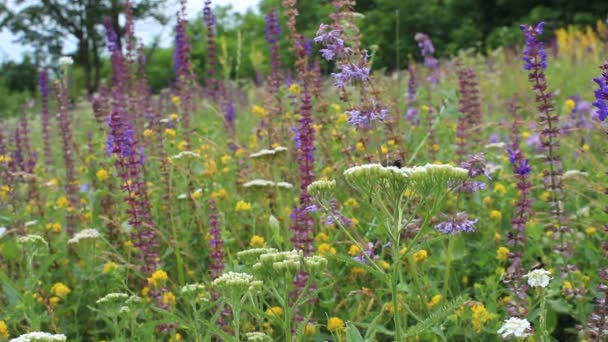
{"points": [[212, 82], [412, 113], [64, 121], [273, 101], [535, 59], [183, 71], [597, 322], [468, 129], [427, 50], [43, 85], [516, 237]]}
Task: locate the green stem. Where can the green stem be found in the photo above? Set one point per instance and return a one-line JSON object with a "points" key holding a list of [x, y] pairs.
{"points": [[544, 334], [448, 262]]}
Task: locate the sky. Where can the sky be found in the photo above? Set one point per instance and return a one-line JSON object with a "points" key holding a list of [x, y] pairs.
{"points": [[146, 30]]}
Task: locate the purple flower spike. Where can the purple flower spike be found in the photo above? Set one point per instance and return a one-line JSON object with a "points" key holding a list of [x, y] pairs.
{"points": [[535, 56], [458, 223], [601, 95]]}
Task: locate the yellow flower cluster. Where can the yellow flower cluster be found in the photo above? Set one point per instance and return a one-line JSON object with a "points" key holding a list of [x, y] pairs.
{"points": [[157, 278], [257, 241], [242, 206], [335, 324], [60, 290]]}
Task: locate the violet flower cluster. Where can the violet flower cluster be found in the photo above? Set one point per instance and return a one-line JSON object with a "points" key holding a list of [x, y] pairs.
{"points": [[459, 223], [209, 20], [43, 86], [427, 50], [216, 243], [412, 114], [601, 94], [469, 123]]}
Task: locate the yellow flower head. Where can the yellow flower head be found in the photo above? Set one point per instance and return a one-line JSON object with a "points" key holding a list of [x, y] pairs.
{"points": [[259, 111], [425, 108], [60, 290], [496, 215], [170, 133], [590, 231], [360, 146], [480, 316], [351, 202], [3, 329], [335, 323], [173, 116], [242, 206], [310, 329], [434, 301], [175, 99], [257, 241], [109, 267], [353, 250], [322, 237], [158, 278], [502, 253], [295, 88], [357, 271], [569, 105], [221, 194], [62, 202], [499, 189], [102, 175], [487, 201], [420, 255], [169, 298], [148, 133], [54, 300], [274, 311], [342, 118], [326, 249], [182, 146]]}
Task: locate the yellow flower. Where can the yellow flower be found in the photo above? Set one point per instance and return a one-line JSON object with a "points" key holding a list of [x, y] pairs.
{"points": [[353, 250], [435, 147], [54, 300], [384, 264], [257, 241], [403, 250], [391, 142], [102, 175], [499, 188], [525, 134], [62, 202], [354, 221], [322, 237], [358, 271], [145, 291], [585, 147], [425, 108], [590, 230], [175, 99], [259, 111], [480, 316], [148, 133], [351, 202], [220, 194], [157, 278], [342, 118], [496, 215], [505, 300], [569, 105], [5, 158], [3, 329], [335, 323], [60, 290], [326, 249], [360, 146], [487, 201], [274, 311], [170, 133], [421, 255], [545, 196], [128, 244], [502, 253], [389, 308], [169, 298], [176, 337], [54, 227], [310, 329], [383, 149], [182, 146], [242, 206], [497, 236], [173, 116], [226, 159], [295, 88], [109, 267], [434, 301]]}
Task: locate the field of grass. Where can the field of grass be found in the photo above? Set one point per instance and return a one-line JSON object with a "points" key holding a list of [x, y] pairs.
{"points": [[301, 211]]}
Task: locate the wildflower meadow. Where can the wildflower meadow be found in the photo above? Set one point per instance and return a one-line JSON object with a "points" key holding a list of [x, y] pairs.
{"points": [[454, 199]]}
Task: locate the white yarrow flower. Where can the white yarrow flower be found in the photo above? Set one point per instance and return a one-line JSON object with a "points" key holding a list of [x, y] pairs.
{"points": [[65, 61], [516, 327], [539, 278], [89, 233], [38, 336]]}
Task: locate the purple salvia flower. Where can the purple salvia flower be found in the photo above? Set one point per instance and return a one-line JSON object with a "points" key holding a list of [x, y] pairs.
{"points": [[601, 94], [535, 61], [43, 86], [458, 223], [209, 20], [183, 71], [468, 131], [427, 50], [274, 100], [216, 243]]}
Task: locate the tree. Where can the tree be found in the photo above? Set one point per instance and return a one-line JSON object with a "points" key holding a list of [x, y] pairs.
{"points": [[47, 24]]}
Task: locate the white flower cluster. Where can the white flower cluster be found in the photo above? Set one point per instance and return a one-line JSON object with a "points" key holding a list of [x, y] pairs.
{"points": [[112, 297], [280, 262], [315, 262], [32, 240], [38, 336], [192, 288], [257, 337], [321, 188], [573, 174], [186, 154], [65, 61], [498, 146], [263, 183], [421, 179], [516, 327], [538, 278], [84, 234], [254, 252], [268, 153], [234, 280]]}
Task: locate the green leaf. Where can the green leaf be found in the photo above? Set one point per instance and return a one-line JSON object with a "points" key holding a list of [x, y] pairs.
{"points": [[353, 334]]}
